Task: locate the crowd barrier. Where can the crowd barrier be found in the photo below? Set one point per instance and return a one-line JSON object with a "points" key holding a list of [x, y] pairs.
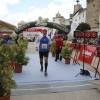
{"points": [[91, 56]]}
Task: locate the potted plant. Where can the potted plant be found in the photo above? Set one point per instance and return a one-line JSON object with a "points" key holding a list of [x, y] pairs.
{"points": [[6, 72], [66, 52], [53, 48], [25, 41], [20, 58]]}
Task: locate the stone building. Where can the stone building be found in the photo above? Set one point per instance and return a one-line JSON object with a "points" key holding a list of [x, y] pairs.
{"points": [[93, 14], [78, 16], [61, 20]]}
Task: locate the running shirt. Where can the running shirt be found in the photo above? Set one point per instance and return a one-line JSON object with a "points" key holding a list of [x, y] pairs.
{"points": [[44, 42]]}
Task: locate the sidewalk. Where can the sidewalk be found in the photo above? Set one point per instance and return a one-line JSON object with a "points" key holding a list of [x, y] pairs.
{"points": [[91, 94]]}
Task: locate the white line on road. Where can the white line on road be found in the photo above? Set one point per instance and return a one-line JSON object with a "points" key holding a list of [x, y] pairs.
{"points": [[52, 87]]}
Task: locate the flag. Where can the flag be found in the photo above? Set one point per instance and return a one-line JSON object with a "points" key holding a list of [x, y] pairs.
{"points": [[74, 25]]}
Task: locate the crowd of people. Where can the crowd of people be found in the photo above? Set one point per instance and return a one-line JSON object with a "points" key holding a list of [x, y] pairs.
{"points": [[6, 39], [89, 41]]}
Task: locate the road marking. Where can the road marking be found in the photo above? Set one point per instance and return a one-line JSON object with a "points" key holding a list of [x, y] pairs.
{"points": [[52, 87]]}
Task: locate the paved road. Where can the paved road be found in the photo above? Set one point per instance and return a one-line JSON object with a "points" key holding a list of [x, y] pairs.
{"points": [[91, 94]]}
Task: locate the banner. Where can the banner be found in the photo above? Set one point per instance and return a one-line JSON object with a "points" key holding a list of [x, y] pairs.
{"points": [[89, 53], [74, 25]]}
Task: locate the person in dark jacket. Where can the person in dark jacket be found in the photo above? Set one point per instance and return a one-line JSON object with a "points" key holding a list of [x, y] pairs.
{"points": [[98, 41], [4, 39], [59, 45]]}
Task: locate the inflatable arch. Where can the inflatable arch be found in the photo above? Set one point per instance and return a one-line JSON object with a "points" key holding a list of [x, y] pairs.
{"points": [[42, 23]]}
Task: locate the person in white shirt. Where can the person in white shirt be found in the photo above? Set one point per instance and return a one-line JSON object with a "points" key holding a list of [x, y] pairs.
{"points": [[43, 48]]}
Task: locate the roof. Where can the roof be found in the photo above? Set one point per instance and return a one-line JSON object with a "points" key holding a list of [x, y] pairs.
{"points": [[80, 11], [6, 25]]}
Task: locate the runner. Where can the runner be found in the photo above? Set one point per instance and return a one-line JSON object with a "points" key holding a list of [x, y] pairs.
{"points": [[44, 45]]}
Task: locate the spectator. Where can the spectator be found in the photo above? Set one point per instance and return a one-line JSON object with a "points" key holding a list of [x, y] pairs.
{"points": [[98, 41], [65, 38], [34, 39], [4, 39], [59, 45], [9, 42]]}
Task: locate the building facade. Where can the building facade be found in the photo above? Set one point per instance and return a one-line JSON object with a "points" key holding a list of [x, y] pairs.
{"points": [[61, 20], [6, 28], [78, 16], [93, 14]]}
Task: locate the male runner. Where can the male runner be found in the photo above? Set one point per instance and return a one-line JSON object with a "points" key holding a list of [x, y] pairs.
{"points": [[44, 44]]}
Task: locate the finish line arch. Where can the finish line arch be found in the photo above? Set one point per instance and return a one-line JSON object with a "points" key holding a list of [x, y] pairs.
{"points": [[42, 23]]}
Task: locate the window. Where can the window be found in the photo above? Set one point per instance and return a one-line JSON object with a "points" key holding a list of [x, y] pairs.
{"points": [[93, 5], [83, 14]]}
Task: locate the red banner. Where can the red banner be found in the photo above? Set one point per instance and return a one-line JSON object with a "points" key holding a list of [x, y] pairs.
{"points": [[33, 30], [89, 54]]}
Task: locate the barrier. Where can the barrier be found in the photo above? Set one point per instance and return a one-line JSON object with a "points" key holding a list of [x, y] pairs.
{"points": [[89, 55], [77, 47]]}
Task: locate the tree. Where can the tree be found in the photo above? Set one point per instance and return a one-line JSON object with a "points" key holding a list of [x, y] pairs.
{"points": [[83, 27]]}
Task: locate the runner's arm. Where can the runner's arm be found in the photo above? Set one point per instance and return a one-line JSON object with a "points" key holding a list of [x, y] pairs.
{"points": [[37, 41], [49, 41]]}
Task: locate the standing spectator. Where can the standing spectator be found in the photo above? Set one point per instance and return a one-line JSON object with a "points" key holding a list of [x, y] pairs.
{"points": [[98, 41], [65, 38], [34, 39], [59, 45], [4, 39]]}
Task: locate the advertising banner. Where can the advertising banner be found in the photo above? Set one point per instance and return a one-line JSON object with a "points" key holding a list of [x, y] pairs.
{"points": [[74, 26], [89, 54], [72, 45]]}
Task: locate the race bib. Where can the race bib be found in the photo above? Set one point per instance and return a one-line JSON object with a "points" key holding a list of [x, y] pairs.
{"points": [[44, 46]]}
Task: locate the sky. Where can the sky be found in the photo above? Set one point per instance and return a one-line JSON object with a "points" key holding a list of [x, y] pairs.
{"points": [[15, 11]]}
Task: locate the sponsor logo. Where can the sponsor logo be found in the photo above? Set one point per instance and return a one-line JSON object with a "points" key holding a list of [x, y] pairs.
{"points": [[86, 52]]}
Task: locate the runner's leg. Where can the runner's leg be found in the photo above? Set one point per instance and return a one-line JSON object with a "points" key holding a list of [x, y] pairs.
{"points": [[46, 61], [41, 60], [57, 55]]}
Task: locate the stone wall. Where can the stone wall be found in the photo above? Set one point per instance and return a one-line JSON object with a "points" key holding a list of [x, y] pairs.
{"points": [[92, 13]]}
